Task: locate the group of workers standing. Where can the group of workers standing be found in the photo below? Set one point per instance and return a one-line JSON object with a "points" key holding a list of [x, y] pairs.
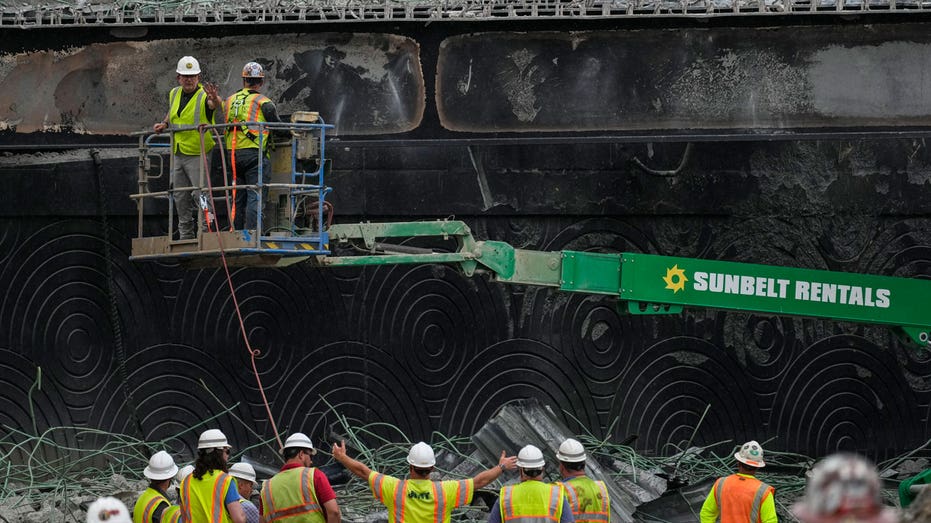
{"points": [[842, 488], [193, 104], [215, 491]]}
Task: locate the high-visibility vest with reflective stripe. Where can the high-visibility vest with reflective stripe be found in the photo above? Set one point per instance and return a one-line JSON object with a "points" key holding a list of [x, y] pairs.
{"points": [[194, 113], [244, 106], [588, 499], [290, 496], [146, 505], [531, 501], [172, 514], [420, 500], [203, 500], [740, 498]]}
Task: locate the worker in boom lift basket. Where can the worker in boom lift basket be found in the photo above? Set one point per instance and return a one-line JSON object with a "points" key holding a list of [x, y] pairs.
{"points": [[418, 499], [189, 104], [741, 497], [588, 498], [243, 142]]}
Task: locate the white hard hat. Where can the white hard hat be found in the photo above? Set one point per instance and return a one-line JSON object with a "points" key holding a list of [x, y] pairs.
{"points": [[751, 453], [530, 457], [571, 451], [212, 439], [844, 487], [161, 467], [184, 472], [108, 510], [253, 70], [188, 66], [243, 471], [299, 440], [421, 456]]}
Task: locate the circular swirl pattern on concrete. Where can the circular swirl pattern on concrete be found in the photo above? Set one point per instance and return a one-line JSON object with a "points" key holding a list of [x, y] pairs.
{"points": [[661, 397], [364, 383], [843, 393], [517, 369], [57, 310]]}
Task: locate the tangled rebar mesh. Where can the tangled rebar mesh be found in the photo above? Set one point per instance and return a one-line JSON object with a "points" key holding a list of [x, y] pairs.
{"points": [[53, 475]]}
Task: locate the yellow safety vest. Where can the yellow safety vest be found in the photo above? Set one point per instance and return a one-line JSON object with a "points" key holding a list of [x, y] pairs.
{"points": [[531, 502], [188, 142], [146, 505], [588, 499], [290, 496], [245, 106], [420, 500], [203, 500], [172, 514]]}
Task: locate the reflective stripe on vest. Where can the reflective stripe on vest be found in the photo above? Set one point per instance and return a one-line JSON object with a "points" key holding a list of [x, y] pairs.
{"points": [[280, 500], [546, 514], [602, 508], [144, 510], [197, 493], [756, 504], [188, 142], [171, 514], [242, 135]]}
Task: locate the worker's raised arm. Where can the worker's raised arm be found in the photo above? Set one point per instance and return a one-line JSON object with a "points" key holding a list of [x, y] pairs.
{"points": [[486, 477], [356, 467]]}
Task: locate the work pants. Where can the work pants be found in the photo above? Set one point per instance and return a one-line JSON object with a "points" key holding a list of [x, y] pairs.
{"points": [[247, 200], [185, 172]]}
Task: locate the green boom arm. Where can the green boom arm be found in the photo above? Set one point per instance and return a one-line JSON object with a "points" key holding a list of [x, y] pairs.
{"points": [[651, 284]]}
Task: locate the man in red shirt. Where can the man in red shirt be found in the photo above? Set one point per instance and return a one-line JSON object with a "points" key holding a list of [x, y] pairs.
{"points": [[299, 492]]}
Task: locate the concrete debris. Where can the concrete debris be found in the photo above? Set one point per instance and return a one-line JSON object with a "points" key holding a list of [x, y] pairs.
{"points": [[530, 423]]}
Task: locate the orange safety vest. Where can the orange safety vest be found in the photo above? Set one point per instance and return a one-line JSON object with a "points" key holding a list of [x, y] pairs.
{"points": [[203, 500], [740, 498]]}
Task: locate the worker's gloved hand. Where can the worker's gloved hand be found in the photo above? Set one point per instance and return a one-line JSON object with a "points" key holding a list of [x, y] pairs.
{"points": [[339, 451], [213, 94], [508, 462]]}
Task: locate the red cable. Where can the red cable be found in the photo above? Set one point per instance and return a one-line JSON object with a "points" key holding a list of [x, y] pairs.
{"points": [[242, 326]]}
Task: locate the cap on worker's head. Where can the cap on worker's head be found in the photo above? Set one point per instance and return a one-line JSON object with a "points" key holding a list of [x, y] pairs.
{"points": [[253, 70], [161, 467], [421, 456], [108, 510], [184, 472], [751, 454], [242, 471], [188, 65], [212, 439], [571, 451], [530, 457], [843, 487], [299, 440]]}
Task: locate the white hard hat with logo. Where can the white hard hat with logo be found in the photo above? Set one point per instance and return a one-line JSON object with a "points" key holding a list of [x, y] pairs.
{"points": [[243, 471], [108, 510], [212, 439], [299, 441], [751, 453], [844, 488], [253, 70], [161, 467], [188, 65], [530, 457], [571, 451], [421, 456]]}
